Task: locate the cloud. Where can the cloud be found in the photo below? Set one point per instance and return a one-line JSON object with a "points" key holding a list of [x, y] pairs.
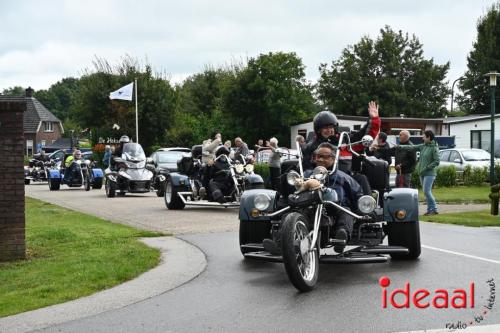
{"points": [[43, 42]]}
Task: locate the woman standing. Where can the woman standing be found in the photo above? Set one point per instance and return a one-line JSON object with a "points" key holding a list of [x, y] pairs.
{"points": [[274, 163], [427, 165]]}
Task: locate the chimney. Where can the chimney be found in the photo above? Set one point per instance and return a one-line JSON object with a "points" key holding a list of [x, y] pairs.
{"points": [[29, 92]]}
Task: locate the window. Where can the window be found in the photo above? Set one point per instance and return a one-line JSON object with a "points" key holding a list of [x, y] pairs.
{"points": [[454, 155], [444, 155], [356, 127], [43, 143], [29, 147], [53, 141], [48, 127], [480, 139]]}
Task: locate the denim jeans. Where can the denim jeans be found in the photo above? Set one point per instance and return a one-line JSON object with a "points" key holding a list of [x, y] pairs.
{"points": [[427, 182]]}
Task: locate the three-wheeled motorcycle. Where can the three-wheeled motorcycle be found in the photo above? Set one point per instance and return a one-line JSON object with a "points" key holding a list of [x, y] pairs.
{"points": [[300, 223], [130, 172], [184, 188], [82, 173]]}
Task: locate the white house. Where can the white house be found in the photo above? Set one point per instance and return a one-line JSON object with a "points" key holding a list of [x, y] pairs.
{"points": [[471, 131]]}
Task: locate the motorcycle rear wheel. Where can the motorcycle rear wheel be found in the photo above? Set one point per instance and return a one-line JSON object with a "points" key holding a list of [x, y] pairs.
{"points": [[86, 182], [171, 198], [302, 265]]}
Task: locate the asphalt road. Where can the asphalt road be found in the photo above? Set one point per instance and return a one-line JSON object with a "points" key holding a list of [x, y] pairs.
{"points": [[234, 294]]}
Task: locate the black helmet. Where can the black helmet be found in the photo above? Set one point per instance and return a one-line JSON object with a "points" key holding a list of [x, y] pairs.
{"points": [[324, 118], [124, 139], [222, 150]]}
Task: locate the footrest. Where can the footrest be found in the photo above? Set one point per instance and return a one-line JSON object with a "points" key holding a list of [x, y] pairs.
{"points": [[384, 249], [353, 258], [263, 255]]}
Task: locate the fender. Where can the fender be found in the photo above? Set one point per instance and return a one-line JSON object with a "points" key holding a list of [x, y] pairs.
{"points": [[401, 199], [179, 179], [246, 204], [254, 179], [97, 173], [54, 174]]}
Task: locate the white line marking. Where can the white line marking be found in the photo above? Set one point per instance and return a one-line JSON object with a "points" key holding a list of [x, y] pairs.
{"points": [[469, 329], [461, 254]]}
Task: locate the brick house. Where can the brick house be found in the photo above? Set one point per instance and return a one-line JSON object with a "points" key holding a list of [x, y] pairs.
{"points": [[41, 127]]}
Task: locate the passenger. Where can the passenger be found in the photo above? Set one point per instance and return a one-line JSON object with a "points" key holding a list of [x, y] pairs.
{"points": [[274, 164], [241, 149], [71, 166], [219, 183]]}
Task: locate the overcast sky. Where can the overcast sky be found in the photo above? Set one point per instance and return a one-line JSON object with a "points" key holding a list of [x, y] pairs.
{"points": [[42, 42]]}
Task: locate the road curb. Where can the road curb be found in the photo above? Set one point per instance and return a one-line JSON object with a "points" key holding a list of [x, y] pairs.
{"points": [[180, 263]]}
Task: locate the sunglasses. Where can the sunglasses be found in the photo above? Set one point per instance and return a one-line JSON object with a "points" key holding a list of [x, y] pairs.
{"points": [[323, 156]]}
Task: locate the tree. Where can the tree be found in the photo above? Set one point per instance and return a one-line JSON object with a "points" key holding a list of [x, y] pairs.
{"points": [[267, 96], [199, 108], [14, 91], [156, 102], [59, 97], [390, 69], [484, 57]]}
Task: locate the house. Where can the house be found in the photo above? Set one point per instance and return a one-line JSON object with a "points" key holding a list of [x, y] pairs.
{"points": [[471, 131], [41, 127]]}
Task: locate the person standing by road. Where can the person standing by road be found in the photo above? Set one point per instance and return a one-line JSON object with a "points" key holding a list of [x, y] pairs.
{"points": [[274, 164], [427, 165], [404, 161]]}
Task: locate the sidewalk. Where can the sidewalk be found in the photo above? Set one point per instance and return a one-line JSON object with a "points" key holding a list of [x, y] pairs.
{"points": [[180, 263], [454, 208]]}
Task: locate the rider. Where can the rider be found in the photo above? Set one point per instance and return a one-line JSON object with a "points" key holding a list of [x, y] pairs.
{"points": [[71, 166], [348, 191], [218, 174], [118, 151], [326, 130]]}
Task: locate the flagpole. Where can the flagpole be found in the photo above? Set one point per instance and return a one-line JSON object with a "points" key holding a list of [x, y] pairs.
{"points": [[136, 116]]}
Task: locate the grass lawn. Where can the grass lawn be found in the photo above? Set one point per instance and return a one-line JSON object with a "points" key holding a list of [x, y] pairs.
{"points": [[459, 194], [70, 255], [472, 219]]}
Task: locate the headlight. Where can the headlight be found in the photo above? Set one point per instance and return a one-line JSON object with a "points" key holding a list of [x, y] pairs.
{"points": [[292, 177], [124, 174], [239, 168], [261, 201], [78, 162], [320, 173], [330, 195], [249, 168], [87, 162], [366, 204]]}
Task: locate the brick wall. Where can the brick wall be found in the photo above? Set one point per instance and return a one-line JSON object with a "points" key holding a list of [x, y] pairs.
{"points": [[12, 220], [49, 136]]}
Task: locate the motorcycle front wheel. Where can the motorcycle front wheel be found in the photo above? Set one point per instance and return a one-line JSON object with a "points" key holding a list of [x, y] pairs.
{"points": [[86, 181], [301, 264]]}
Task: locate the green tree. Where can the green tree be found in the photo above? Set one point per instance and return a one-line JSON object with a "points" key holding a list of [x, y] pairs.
{"points": [[199, 107], [14, 91], [156, 102], [391, 70], [59, 98], [484, 57], [267, 96]]}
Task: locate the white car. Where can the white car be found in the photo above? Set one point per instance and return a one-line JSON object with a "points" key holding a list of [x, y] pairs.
{"points": [[461, 157]]}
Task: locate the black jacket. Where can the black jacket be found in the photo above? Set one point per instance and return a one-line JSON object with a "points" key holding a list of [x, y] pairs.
{"points": [[407, 159], [383, 153]]}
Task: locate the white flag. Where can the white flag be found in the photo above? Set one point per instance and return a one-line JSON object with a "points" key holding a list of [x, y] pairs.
{"points": [[123, 93]]}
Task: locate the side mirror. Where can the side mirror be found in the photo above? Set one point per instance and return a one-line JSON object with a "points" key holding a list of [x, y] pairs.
{"points": [[149, 160], [457, 160]]}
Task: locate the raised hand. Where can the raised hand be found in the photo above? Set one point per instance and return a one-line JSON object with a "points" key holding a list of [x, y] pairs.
{"points": [[373, 109]]}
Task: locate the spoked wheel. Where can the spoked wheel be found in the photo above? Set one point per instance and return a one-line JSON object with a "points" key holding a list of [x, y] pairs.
{"points": [[110, 188], [301, 264]]}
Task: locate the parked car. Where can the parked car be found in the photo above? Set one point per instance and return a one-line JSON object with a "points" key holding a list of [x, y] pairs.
{"points": [[461, 157], [166, 158]]}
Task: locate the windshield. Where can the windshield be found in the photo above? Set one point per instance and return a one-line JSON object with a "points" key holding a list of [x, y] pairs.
{"points": [[170, 157], [476, 155], [133, 152]]}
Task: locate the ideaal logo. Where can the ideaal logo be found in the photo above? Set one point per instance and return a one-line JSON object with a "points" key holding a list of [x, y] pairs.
{"points": [[438, 299]]}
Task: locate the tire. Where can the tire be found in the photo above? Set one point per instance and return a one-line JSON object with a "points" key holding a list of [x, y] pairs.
{"points": [[110, 188], [406, 234], [27, 181], [121, 194], [302, 270], [86, 182], [171, 198], [253, 232], [97, 184], [54, 185], [160, 192]]}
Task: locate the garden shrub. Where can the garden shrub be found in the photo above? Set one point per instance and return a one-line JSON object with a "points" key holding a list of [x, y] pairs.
{"points": [[262, 169], [415, 179], [478, 176], [446, 176]]}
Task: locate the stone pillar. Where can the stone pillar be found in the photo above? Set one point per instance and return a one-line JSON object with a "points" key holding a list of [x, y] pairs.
{"points": [[12, 218]]}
